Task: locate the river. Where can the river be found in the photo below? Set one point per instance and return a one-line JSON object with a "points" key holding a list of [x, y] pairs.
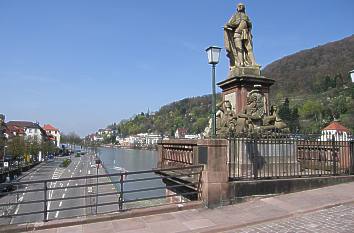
{"points": [[132, 160]]}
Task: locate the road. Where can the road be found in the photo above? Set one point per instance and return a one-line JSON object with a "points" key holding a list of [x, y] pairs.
{"points": [[79, 167]]}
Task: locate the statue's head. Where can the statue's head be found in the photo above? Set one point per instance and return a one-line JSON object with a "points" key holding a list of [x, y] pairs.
{"points": [[241, 7]]}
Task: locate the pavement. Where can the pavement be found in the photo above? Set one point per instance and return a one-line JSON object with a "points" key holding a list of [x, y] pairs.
{"points": [[328, 209]]}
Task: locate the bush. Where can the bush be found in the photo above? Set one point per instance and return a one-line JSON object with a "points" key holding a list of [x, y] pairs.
{"points": [[77, 155], [66, 162]]}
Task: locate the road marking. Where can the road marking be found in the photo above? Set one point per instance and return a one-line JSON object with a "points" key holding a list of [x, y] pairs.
{"points": [[80, 170], [63, 195], [89, 172], [60, 203], [18, 207], [61, 184], [56, 214], [20, 199], [66, 189], [76, 184]]}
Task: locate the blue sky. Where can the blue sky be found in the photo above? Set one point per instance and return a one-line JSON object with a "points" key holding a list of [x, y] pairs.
{"points": [[81, 65]]}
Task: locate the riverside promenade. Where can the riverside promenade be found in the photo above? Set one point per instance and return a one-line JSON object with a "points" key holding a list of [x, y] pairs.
{"points": [[328, 209]]}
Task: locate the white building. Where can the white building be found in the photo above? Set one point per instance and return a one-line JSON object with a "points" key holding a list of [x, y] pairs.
{"points": [[336, 130], [192, 136], [32, 130], [53, 133], [152, 139]]}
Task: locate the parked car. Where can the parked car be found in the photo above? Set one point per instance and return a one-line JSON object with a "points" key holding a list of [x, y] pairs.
{"points": [[6, 187]]}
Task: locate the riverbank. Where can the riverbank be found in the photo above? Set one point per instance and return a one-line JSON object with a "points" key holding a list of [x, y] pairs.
{"points": [[151, 148]]}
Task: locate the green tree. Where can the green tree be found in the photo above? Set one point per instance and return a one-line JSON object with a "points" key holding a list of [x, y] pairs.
{"points": [[16, 146], [311, 109]]}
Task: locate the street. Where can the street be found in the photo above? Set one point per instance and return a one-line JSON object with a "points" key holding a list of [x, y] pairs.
{"points": [[80, 166]]}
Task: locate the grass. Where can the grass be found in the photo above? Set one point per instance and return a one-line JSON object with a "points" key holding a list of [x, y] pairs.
{"points": [[66, 162]]}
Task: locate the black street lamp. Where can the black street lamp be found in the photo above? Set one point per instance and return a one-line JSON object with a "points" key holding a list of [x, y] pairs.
{"points": [[213, 58]]}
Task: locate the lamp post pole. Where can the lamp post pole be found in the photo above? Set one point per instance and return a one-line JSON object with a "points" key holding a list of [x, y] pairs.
{"points": [[213, 103], [213, 59]]}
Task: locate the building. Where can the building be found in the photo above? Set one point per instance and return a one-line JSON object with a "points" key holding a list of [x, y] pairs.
{"points": [[336, 130], [94, 138], [152, 139], [192, 136], [52, 133], [13, 131], [30, 129], [181, 133]]}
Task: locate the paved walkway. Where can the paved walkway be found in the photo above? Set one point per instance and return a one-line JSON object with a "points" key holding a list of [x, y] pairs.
{"points": [[329, 209]]}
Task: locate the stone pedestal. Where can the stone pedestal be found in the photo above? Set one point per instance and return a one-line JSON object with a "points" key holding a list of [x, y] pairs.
{"points": [[240, 82]]}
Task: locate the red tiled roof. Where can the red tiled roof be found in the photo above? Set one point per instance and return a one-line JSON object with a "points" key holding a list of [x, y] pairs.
{"points": [[14, 129], [336, 126], [23, 124], [49, 127]]}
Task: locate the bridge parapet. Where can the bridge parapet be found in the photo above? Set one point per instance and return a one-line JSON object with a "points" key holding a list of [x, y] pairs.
{"points": [[212, 153]]}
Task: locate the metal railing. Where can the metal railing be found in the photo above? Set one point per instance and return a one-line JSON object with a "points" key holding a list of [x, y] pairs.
{"points": [[287, 156], [18, 167], [98, 194]]}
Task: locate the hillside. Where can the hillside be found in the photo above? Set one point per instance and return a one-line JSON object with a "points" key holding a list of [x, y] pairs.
{"points": [[191, 113], [312, 88], [301, 73]]}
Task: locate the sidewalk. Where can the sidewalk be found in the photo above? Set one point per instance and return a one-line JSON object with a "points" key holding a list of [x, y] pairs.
{"points": [[228, 218]]}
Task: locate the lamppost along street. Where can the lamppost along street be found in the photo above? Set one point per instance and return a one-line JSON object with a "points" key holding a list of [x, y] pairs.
{"points": [[213, 58]]}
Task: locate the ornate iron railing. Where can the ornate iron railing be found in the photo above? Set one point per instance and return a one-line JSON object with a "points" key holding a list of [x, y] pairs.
{"points": [[286, 156]]}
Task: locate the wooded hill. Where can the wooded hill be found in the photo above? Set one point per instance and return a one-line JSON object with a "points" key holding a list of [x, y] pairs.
{"points": [[312, 88], [190, 113], [316, 82], [303, 73]]}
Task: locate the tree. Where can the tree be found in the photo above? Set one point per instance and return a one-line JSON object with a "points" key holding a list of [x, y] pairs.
{"points": [[71, 138], [311, 109], [16, 146], [47, 147]]}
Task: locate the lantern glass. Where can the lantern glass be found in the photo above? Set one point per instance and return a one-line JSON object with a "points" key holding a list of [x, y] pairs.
{"points": [[213, 54]]}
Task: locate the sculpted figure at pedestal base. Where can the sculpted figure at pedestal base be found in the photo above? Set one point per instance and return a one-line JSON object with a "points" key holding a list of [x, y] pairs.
{"points": [[274, 122], [238, 39], [225, 118], [252, 120]]}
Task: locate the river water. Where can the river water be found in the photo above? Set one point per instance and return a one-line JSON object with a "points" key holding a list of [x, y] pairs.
{"points": [[133, 160]]}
